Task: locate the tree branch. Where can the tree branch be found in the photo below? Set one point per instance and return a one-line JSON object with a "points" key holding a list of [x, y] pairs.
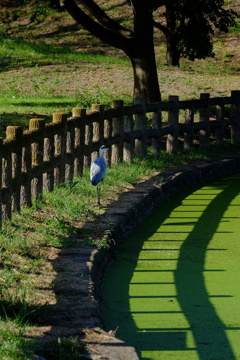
{"points": [[112, 38], [104, 19], [160, 27]]}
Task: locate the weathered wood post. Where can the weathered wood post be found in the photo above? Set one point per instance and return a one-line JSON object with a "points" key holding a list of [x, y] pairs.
{"points": [[188, 136], [88, 143], [14, 133], [37, 158], [220, 116], [235, 113], [128, 145], [204, 140], [70, 152], [173, 120], [7, 181], [60, 147], [156, 124], [26, 195], [107, 135], [79, 140], [1, 151], [141, 125], [98, 126], [48, 177], [118, 131], [6, 186]]}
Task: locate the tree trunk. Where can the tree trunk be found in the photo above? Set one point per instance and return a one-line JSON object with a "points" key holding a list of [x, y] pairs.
{"points": [[142, 54], [172, 54], [145, 78]]}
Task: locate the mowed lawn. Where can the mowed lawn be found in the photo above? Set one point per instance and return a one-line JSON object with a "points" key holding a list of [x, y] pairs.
{"points": [[173, 290]]}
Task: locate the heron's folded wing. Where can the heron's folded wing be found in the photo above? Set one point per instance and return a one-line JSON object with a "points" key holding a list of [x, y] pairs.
{"points": [[95, 170], [97, 167]]}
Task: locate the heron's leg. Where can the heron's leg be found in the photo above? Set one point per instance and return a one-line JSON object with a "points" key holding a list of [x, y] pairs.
{"points": [[98, 193]]}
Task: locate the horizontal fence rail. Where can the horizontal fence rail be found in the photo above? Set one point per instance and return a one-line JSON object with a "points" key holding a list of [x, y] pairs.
{"points": [[47, 155]]}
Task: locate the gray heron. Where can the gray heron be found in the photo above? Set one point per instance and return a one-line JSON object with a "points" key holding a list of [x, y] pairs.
{"points": [[98, 170]]}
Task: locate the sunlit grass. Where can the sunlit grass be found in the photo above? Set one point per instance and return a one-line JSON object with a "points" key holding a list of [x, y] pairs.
{"points": [[13, 345]]}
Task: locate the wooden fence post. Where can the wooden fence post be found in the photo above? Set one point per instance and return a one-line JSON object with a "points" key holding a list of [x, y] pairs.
{"points": [[88, 143], [220, 116], [1, 151], [37, 157], [173, 119], [235, 113], [204, 140], [107, 136], [128, 145], [141, 124], [70, 153], [60, 147], [98, 128], [156, 124], [26, 196], [48, 178], [15, 133], [6, 184], [79, 140], [188, 136], [118, 130]]}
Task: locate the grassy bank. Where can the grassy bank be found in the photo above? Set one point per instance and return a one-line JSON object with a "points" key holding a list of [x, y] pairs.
{"points": [[59, 221]]}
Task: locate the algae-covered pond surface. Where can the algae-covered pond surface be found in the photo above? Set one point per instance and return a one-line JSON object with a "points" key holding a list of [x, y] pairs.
{"points": [[173, 290]]}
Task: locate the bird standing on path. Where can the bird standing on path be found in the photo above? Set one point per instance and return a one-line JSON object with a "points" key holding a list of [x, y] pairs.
{"points": [[98, 170]]}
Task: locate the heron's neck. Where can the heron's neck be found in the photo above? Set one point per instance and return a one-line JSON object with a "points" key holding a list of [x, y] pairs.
{"points": [[101, 153]]}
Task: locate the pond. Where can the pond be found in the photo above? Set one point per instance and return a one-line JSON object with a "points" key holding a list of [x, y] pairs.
{"points": [[173, 291]]}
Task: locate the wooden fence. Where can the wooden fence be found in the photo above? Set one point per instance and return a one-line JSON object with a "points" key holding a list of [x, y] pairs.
{"points": [[48, 154]]}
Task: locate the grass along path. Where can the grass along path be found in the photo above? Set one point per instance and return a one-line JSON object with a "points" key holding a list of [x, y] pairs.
{"points": [[173, 290]]}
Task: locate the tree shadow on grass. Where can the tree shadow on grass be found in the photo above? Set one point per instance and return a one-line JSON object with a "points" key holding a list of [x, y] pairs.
{"points": [[207, 329]]}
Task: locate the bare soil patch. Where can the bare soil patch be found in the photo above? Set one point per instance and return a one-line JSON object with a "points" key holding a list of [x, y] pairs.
{"points": [[75, 79]]}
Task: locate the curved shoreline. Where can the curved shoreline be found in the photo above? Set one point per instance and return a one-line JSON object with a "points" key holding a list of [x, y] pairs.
{"points": [[120, 219]]}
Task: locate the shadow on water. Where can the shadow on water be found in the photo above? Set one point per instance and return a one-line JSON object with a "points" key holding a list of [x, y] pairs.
{"points": [[208, 331]]}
